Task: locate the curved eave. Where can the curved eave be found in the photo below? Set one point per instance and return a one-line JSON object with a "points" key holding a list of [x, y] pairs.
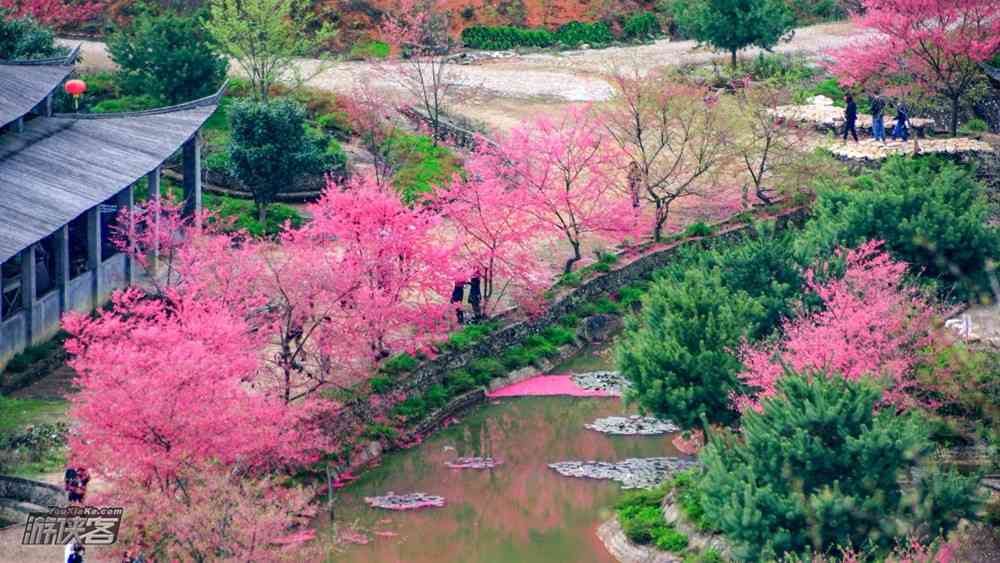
{"points": [[25, 84], [59, 167]]}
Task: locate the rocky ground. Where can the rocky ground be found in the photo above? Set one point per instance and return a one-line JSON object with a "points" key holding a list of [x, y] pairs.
{"points": [[632, 473], [502, 91]]}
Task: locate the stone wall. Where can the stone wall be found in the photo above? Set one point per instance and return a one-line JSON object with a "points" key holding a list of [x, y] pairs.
{"points": [[30, 491]]}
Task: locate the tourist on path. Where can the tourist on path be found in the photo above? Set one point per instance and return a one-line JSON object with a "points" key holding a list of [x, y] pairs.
{"points": [[476, 296], [851, 118], [901, 130], [457, 296], [77, 555], [878, 115]]}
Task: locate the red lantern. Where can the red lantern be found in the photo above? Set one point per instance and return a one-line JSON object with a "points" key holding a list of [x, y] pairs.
{"points": [[75, 87]]}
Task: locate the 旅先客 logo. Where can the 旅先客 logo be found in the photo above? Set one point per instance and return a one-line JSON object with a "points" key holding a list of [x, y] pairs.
{"points": [[86, 525]]}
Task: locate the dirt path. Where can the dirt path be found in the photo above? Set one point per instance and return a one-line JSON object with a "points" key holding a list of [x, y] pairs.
{"points": [[509, 90]]}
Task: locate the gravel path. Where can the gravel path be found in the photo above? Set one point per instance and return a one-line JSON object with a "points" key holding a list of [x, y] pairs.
{"points": [[541, 81]]}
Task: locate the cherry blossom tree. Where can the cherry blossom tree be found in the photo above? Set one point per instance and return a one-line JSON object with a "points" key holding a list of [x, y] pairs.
{"points": [[403, 269], [417, 31], [566, 174], [672, 133], [56, 13], [167, 384], [871, 324], [371, 111], [498, 237], [931, 45]]}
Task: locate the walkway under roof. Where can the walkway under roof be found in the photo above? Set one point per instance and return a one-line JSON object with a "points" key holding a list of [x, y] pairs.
{"points": [[25, 84], [61, 166]]}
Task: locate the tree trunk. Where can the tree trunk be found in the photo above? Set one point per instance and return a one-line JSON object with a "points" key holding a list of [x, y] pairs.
{"points": [[954, 116], [732, 59], [576, 257], [261, 212]]}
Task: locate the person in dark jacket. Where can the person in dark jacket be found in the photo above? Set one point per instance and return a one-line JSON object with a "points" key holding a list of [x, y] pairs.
{"points": [[877, 104], [457, 296], [850, 118], [476, 296], [901, 130]]}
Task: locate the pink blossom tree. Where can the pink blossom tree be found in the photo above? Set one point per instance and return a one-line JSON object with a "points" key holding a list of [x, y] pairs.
{"points": [[566, 174], [403, 269], [673, 135], [498, 237], [871, 324], [56, 13], [371, 111], [933, 45]]}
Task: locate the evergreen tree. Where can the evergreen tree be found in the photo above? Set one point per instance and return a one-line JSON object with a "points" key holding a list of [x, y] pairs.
{"points": [[731, 25], [678, 352], [818, 467]]}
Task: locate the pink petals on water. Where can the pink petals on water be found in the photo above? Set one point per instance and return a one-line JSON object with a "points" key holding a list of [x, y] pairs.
{"points": [[547, 386]]}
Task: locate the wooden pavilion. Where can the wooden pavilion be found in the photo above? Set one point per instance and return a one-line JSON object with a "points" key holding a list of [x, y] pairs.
{"points": [[63, 177]]}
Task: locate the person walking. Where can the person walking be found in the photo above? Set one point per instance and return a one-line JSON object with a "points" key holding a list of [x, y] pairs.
{"points": [[901, 130], [457, 296], [878, 116], [850, 118], [476, 296]]}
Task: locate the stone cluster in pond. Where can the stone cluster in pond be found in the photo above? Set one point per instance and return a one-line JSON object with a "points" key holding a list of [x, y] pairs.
{"points": [[412, 501], [473, 463], [634, 425], [633, 473], [610, 382]]}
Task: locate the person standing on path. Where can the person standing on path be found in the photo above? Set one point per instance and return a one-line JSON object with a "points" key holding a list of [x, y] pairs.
{"points": [[878, 115], [476, 296], [457, 296], [901, 130], [850, 118]]}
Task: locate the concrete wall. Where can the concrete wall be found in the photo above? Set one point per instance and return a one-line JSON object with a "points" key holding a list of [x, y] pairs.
{"points": [[12, 337], [28, 490]]}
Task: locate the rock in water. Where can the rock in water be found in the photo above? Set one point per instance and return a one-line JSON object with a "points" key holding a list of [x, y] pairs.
{"points": [[598, 328], [634, 425], [633, 473], [412, 501], [473, 463], [610, 382]]}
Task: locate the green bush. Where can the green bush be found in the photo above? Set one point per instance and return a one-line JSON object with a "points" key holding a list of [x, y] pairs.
{"points": [[707, 556], [380, 432], [336, 123], [436, 397], [459, 381], [698, 229], [518, 357], [931, 213], [670, 539], [820, 466], [125, 103], [558, 335], [678, 351], [503, 38], [336, 159], [245, 218], [34, 354], [399, 364], [571, 279], [483, 370], [413, 408], [638, 523], [641, 25], [381, 385], [575, 33], [973, 126], [168, 56], [369, 49], [218, 162], [22, 38], [631, 294], [784, 69], [468, 336]]}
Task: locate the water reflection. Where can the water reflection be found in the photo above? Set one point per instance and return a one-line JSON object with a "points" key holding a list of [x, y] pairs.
{"points": [[519, 512]]}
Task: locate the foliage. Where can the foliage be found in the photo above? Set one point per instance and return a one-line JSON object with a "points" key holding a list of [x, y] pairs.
{"points": [[60, 14], [820, 467], [931, 214], [922, 47], [399, 364], [265, 37], [337, 123], [974, 126], [35, 448], [641, 26], [698, 229], [240, 215], [468, 336], [642, 520], [33, 354], [502, 38], [167, 56], [22, 38], [369, 49], [969, 386], [270, 148], [677, 352], [870, 325], [732, 25], [574, 34], [125, 104], [421, 164]]}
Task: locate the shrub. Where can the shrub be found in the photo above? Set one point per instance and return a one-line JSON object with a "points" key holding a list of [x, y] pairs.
{"points": [[576, 33], [482, 370], [125, 103], [168, 56], [698, 229], [436, 397], [413, 408], [571, 279], [517, 357], [505, 37], [381, 385], [641, 25], [671, 540], [638, 523], [246, 219], [369, 49], [819, 467], [677, 352], [336, 123], [22, 38], [732, 26], [399, 364], [974, 125], [335, 159], [421, 164], [380, 432], [459, 381], [558, 336], [931, 214]]}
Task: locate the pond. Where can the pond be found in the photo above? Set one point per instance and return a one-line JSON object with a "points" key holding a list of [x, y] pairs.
{"points": [[521, 511]]}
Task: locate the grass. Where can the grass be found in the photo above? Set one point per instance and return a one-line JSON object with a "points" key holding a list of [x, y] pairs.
{"points": [[34, 354], [17, 413], [422, 164], [467, 336], [642, 520]]}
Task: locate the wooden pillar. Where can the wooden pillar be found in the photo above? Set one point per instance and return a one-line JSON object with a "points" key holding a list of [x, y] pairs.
{"points": [[153, 182], [192, 175], [62, 267], [126, 200], [28, 291], [48, 106], [19, 125], [94, 261]]}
